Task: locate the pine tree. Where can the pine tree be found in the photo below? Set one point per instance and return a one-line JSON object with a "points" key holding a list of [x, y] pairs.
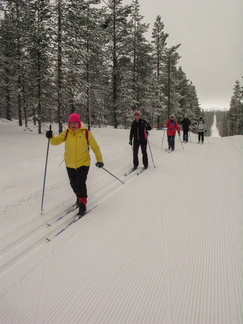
{"points": [[37, 76], [7, 67], [139, 49], [116, 26], [95, 75], [170, 84], [235, 110], [188, 102], [159, 38], [134, 70], [240, 114], [14, 13]]}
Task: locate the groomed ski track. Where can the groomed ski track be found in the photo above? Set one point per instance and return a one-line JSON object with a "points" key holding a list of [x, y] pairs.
{"points": [[166, 247]]}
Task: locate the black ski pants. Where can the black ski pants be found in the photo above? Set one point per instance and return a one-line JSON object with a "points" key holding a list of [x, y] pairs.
{"points": [[78, 179], [143, 145], [185, 135], [171, 142], [200, 136]]}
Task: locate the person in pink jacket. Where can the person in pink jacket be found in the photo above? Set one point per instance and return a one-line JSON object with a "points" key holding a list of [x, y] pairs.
{"points": [[172, 127]]}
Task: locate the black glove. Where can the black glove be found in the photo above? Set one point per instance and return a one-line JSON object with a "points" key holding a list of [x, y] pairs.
{"points": [[130, 142], [49, 134], [99, 164]]}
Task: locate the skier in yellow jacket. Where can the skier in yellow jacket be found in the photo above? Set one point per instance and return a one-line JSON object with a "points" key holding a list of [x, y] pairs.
{"points": [[77, 159]]}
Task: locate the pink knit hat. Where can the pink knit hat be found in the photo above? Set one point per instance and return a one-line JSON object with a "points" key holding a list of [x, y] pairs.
{"points": [[74, 117]]}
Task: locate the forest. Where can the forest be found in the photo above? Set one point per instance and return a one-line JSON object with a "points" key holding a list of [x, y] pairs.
{"points": [[92, 57]]}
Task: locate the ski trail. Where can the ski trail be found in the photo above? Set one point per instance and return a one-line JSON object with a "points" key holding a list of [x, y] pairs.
{"points": [[166, 247]]}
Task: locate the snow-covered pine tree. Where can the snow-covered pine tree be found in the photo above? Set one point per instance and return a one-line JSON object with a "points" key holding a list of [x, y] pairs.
{"points": [[37, 74], [13, 18], [159, 38], [188, 101], [236, 110], [170, 82], [7, 66], [142, 67], [116, 27]]}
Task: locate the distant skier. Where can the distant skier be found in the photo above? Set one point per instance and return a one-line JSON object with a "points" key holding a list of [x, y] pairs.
{"points": [[201, 128], [138, 134], [172, 127], [185, 126], [77, 159]]}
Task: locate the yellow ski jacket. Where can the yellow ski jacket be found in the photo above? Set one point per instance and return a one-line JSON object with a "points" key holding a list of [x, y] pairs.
{"points": [[77, 148]]}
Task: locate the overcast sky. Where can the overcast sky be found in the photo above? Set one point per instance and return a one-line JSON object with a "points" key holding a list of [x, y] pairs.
{"points": [[211, 36]]}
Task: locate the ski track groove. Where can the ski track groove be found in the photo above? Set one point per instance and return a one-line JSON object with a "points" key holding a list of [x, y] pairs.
{"points": [[28, 241]]}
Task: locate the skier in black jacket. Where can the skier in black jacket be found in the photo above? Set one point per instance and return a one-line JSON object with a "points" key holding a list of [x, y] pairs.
{"points": [[185, 126], [139, 134]]}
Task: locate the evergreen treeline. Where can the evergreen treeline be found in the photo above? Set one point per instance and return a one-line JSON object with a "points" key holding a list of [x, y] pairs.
{"points": [[232, 120], [61, 56]]}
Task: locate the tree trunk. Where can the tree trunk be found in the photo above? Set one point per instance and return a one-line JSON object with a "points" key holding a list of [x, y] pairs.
{"points": [[19, 87], [169, 94], [114, 71], [87, 75], [59, 69]]}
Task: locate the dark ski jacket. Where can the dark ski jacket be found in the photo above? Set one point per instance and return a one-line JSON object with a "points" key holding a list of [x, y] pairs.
{"points": [[185, 124], [139, 130]]}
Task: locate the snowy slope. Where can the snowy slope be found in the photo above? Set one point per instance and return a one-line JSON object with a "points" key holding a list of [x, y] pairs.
{"points": [[165, 247]]}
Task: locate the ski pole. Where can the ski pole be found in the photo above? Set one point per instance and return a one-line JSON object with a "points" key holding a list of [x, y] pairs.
{"points": [[181, 142], [43, 191], [112, 175], [151, 152], [163, 138]]}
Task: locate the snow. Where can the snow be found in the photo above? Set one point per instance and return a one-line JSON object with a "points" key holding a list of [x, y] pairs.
{"points": [[215, 131], [165, 247]]}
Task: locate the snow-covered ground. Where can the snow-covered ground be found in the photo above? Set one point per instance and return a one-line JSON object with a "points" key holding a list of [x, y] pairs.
{"points": [[215, 131], [164, 247]]}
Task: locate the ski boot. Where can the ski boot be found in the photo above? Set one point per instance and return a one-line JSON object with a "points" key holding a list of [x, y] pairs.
{"points": [[82, 210], [82, 206]]}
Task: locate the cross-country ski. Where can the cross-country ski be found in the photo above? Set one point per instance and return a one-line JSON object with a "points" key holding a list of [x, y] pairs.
{"points": [[64, 214], [141, 171], [74, 220], [130, 171]]}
